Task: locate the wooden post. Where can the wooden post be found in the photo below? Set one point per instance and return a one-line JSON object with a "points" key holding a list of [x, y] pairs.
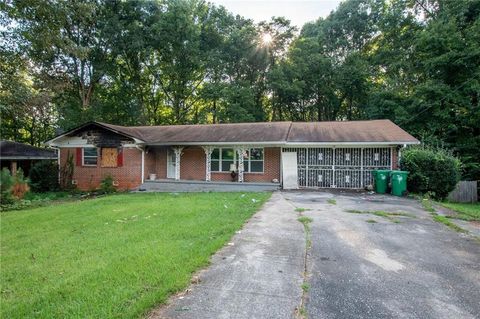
{"points": [[13, 168]]}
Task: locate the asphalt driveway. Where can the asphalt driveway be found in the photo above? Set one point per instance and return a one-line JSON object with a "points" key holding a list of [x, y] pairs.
{"points": [[395, 263], [364, 265]]}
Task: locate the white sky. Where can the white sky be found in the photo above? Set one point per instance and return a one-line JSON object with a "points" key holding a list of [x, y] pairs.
{"points": [[298, 11]]}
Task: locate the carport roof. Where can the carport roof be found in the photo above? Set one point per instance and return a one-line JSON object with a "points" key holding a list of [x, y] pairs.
{"points": [[10, 150], [374, 131]]}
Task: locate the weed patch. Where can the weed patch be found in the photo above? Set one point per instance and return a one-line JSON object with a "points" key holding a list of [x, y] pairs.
{"points": [[332, 201], [388, 215], [444, 220]]}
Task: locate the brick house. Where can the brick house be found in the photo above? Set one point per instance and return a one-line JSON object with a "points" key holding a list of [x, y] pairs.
{"points": [[288, 154]]}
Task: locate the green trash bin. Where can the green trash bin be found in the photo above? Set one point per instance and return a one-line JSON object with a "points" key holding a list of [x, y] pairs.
{"points": [[399, 182], [381, 180]]}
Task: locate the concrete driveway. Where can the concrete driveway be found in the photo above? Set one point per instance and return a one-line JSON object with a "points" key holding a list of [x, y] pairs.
{"points": [[396, 263], [364, 265]]}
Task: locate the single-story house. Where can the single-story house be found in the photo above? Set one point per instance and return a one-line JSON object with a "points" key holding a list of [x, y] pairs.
{"points": [[14, 155], [290, 154]]}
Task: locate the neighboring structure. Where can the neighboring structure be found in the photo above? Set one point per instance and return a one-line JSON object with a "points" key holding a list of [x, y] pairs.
{"points": [[15, 155], [315, 154]]}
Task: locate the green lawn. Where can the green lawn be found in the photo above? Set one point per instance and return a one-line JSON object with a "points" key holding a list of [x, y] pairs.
{"points": [[112, 257], [466, 211]]}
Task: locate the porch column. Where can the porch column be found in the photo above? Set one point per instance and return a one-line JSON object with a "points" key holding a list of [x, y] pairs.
{"points": [[240, 152], [178, 154], [13, 168], [208, 161]]}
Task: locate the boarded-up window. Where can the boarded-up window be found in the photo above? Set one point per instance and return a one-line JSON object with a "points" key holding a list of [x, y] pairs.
{"points": [[109, 157]]}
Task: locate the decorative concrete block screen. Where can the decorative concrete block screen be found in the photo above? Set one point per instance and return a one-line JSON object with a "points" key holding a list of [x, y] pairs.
{"points": [[330, 167]]}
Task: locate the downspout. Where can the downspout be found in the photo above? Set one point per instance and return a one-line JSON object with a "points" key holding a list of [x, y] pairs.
{"points": [[143, 163]]}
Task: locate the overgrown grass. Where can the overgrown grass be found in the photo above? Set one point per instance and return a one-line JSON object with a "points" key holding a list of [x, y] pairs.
{"points": [[112, 257], [447, 222], [332, 201], [427, 205], [465, 211], [388, 215]]}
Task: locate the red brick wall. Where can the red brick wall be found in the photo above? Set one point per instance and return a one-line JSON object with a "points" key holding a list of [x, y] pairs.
{"points": [[395, 164], [89, 177], [192, 164]]}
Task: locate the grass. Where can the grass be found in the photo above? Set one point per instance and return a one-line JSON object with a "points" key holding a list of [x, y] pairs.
{"points": [[305, 287], [301, 209], [465, 211], [332, 201], [371, 221], [112, 257], [388, 215], [444, 220], [427, 205]]}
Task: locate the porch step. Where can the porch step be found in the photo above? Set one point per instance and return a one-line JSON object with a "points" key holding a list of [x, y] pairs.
{"points": [[202, 186]]}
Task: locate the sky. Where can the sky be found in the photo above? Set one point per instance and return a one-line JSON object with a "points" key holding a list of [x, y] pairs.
{"points": [[297, 11]]}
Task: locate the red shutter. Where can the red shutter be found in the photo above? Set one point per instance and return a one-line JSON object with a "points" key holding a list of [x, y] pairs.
{"points": [[120, 158], [78, 156]]}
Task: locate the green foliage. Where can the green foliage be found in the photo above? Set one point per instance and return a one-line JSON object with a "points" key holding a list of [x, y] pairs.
{"points": [[6, 183], [106, 185], [44, 176], [163, 237], [430, 170], [189, 61]]}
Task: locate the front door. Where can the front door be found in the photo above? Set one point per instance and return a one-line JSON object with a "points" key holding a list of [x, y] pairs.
{"points": [[170, 164]]}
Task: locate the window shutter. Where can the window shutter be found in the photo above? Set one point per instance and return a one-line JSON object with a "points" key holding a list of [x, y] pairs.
{"points": [[120, 158], [78, 156]]}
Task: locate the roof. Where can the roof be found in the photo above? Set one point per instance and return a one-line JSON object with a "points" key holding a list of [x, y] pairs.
{"points": [[14, 150], [214, 133], [373, 131]]}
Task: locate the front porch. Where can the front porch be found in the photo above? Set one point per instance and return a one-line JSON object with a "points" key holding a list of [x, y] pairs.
{"points": [[167, 185]]}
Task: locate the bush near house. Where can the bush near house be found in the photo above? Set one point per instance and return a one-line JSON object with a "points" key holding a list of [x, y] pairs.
{"points": [[432, 171], [12, 188], [44, 177]]}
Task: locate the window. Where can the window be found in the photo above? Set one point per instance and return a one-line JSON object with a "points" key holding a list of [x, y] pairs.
{"points": [[228, 158], [109, 157], [90, 156], [256, 161], [223, 158]]}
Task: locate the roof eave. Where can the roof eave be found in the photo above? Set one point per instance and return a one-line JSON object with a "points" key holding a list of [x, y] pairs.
{"points": [[51, 142]]}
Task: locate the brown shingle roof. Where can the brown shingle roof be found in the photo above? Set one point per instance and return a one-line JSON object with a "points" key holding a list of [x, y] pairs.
{"points": [[373, 131], [215, 133], [352, 131]]}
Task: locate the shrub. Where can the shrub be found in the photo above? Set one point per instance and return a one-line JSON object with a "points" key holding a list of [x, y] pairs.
{"points": [[6, 185], [106, 185], [20, 186], [430, 170], [44, 176]]}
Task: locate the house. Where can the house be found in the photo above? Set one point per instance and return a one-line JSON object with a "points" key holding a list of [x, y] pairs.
{"points": [[14, 155], [292, 154]]}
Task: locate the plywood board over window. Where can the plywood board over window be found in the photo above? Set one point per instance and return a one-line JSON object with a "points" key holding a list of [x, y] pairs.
{"points": [[109, 157]]}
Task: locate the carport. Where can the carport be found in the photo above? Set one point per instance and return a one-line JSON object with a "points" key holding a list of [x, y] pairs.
{"points": [[342, 167], [340, 154]]}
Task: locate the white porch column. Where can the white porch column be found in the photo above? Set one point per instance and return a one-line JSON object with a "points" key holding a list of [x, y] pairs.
{"points": [[208, 161], [178, 154], [240, 153]]}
